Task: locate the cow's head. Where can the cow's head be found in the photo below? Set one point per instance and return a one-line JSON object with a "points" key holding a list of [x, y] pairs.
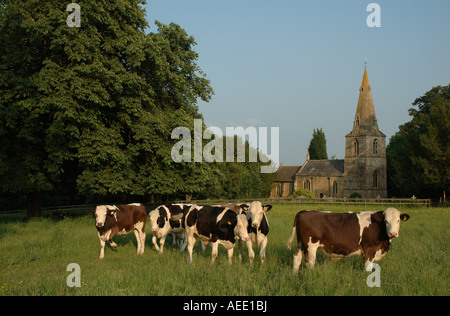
{"points": [[241, 229], [102, 212], [392, 218], [159, 221], [257, 210]]}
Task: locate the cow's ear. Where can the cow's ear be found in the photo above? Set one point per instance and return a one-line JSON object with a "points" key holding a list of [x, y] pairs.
{"points": [[404, 217], [244, 207], [267, 208], [378, 217]]}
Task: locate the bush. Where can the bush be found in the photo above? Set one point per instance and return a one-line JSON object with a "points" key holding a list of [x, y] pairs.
{"points": [[355, 195], [303, 193]]}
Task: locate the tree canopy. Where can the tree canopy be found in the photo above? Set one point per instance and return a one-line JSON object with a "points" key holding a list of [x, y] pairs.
{"points": [[87, 112], [418, 155]]}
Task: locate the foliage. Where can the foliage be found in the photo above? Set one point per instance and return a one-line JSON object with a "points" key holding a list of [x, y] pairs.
{"points": [[355, 195], [418, 155], [318, 146], [304, 193], [93, 107]]}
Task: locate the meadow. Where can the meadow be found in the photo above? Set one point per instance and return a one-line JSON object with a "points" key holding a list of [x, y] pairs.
{"points": [[34, 256]]}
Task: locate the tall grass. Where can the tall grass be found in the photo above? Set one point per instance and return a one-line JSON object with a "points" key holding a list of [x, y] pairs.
{"points": [[34, 256]]}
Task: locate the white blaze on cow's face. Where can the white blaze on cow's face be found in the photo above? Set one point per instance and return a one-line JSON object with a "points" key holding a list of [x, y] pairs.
{"points": [[257, 210], [392, 218], [159, 221], [241, 229], [100, 215]]}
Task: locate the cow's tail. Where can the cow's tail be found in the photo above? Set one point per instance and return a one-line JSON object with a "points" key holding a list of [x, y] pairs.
{"points": [[294, 229]]}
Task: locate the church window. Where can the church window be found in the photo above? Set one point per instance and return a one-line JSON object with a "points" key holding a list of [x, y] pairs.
{"points": [[357, 121], [335, 188], [375, 147], [307, 185], [375, 179], [356, 147]]}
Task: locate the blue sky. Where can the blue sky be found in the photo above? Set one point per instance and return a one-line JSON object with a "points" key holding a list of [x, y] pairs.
{"points": [[298, 65]]}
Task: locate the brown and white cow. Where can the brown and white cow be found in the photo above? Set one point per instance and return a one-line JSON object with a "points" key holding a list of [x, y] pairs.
{"points": [[121, 219], [344, 234], [218, 225]]}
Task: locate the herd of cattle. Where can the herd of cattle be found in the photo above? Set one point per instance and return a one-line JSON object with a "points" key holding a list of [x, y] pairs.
{"points": [[336, 234]]}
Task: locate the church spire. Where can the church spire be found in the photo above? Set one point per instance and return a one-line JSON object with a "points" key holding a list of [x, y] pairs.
{"points": [[365, 119]]}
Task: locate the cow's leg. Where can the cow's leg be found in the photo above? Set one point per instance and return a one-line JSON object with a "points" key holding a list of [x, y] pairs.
{"points": [[215, 250], [190, 247], [297, 258], [142, 233], [251, 253], [262, 252], [102, 247], [230, 255], [183, 238], [112, 243], [162, 242], [240, 250], [310, 253], [138, 240], [155, 243]]}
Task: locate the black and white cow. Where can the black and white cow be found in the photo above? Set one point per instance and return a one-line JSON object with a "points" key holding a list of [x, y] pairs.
{"points": [[168, 219], [121, 219], [258, 228], [344, 234], [218, 225]]}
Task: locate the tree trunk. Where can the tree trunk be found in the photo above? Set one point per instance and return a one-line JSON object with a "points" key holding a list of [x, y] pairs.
{"points": [[34, 209]]}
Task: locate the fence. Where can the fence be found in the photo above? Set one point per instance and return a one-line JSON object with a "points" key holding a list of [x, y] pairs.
{"points": [[378, 201]]}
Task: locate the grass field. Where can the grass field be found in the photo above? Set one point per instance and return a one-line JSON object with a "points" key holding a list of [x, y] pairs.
{"points": [[34, 256]]}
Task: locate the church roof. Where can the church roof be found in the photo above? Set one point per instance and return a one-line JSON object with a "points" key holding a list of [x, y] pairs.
{"points": [[287, 173], [365, 119], [323, 168]]}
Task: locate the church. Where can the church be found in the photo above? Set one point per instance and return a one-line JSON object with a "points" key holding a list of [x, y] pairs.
{"points": [[363, 170]]}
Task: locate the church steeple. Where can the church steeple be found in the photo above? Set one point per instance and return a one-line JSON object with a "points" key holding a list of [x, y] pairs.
{"points": [[365, 122]]}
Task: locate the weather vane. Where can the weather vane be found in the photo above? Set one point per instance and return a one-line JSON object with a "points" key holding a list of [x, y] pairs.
{"points": [[365, 62]]}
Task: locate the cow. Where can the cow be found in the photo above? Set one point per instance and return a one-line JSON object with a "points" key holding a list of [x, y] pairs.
{"points": [[218, 225], [166, 219], [120, 219], [258, 228], [344, 234]]}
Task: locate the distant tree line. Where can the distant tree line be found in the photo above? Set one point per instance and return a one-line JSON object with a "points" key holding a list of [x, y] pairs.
{"points": [[86, 113]]}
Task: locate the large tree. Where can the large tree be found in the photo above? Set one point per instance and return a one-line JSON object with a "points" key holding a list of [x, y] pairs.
{"points": [[94, 105], [418, 155]]}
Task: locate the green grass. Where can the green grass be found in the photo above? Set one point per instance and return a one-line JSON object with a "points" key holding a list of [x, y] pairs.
{"points": [[34, 256]]}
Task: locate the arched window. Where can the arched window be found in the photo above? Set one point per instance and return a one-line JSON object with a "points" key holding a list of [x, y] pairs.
{"points": [[375, 147], [375, 179], [357, 121], [335, 188], [356, 147], [307, 185]]}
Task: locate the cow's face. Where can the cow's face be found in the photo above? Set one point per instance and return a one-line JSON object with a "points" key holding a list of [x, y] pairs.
{"points": [[101, 212], [257, 210], [392, 218], [159, 222], [241, 229]]}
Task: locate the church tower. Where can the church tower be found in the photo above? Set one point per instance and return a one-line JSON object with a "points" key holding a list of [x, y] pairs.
{"points": [[365, 150]]}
